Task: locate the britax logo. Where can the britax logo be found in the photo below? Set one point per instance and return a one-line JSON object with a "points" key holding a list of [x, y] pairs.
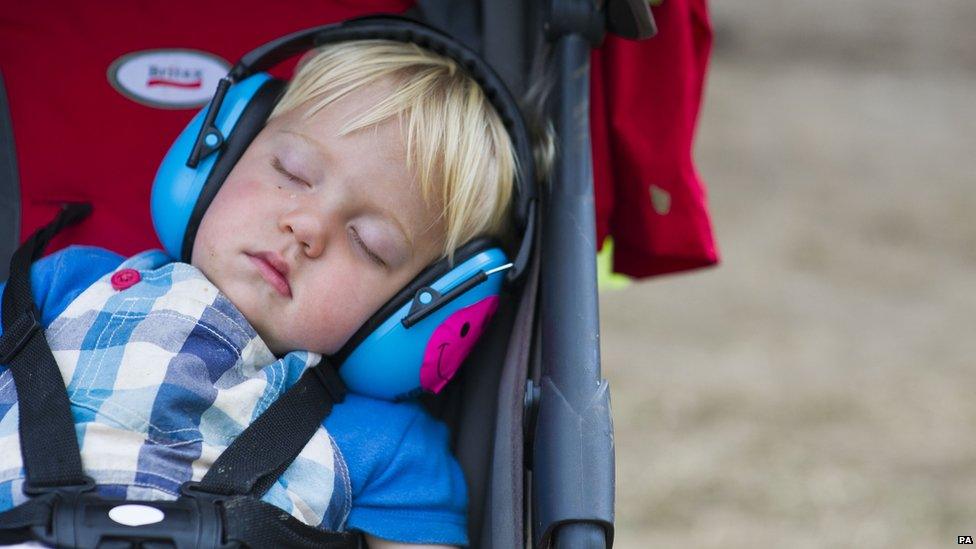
{"points": [[168, 78], [175, 77]]}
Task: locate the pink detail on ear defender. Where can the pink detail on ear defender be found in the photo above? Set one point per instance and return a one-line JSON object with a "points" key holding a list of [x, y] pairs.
{"points": [[451, 342]]}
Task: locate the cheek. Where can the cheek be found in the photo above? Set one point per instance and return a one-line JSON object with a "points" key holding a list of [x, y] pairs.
{"points": [[339, 307], [324, 328], [227, 226], [205, 243], [237, 204], [239, 199]]}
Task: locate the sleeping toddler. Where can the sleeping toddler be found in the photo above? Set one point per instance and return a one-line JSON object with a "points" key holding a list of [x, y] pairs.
{"points": [[380, 159]]}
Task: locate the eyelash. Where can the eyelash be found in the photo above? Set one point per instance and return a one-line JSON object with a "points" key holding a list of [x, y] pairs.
{"points": [[372, 256], [276, 164]]}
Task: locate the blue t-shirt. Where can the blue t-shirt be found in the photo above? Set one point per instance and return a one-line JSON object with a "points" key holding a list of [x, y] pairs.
{"points": [[405, 485]]}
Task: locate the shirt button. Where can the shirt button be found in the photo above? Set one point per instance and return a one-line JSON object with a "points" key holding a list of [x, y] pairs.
{"points": [[125, 278]]}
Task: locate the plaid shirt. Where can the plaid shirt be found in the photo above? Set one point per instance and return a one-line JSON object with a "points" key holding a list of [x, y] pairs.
{"points": [[162, 376]]}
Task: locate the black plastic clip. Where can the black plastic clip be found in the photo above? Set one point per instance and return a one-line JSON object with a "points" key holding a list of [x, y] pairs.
{"points": [[210, 138], [428, 300], [80, 519]]}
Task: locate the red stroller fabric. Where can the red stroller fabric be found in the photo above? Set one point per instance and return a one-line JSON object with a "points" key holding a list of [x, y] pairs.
{"points": [[79, 139]]}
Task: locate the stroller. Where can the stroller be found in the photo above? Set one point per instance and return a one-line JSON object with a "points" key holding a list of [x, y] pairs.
{"points": [[530, 413]]}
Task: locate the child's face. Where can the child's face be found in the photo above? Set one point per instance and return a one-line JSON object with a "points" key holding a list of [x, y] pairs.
{"points": [[312, 232]]}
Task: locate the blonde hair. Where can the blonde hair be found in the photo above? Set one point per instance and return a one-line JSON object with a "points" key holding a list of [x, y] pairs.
{"points": [[456, 142]]}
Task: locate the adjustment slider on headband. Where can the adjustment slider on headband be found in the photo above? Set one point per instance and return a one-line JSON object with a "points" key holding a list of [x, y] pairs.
{"points": [[428, 300], [210, 138]]}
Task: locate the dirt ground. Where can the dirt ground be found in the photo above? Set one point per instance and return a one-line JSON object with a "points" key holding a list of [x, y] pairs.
{"points": [[818, 389]]}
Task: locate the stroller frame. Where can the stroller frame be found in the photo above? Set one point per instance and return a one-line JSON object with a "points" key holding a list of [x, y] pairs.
{"points": [[566, 418], [568, 425]]}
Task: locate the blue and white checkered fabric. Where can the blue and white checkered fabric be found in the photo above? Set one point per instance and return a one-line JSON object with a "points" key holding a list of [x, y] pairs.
{"points": [[162, 376]]}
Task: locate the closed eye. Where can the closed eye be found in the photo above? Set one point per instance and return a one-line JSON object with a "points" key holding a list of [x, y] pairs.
{"points": [[276, 164], [369, 253]]}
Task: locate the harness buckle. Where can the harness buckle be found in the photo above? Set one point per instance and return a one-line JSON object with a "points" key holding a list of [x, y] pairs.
{"points": [[80, 519]]}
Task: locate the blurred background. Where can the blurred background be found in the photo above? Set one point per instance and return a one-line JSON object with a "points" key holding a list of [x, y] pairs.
{"points": [[818, 388]]}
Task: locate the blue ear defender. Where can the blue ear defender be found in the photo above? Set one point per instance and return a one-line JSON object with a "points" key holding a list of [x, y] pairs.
{"points": [[384, 364], [180, 189], [417, 340]]}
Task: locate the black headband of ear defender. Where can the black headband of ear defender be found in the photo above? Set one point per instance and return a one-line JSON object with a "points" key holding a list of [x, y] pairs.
{"points": [[386, 28]]}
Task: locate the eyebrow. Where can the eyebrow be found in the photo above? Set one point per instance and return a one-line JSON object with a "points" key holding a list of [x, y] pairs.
{"points": [[308, 140], [376, 207]]}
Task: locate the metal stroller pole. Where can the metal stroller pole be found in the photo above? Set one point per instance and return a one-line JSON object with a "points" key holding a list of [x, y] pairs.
{"points": [[573, 473]]}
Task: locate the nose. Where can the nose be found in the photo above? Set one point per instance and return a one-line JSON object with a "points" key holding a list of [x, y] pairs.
{"points": [[309, 229]]}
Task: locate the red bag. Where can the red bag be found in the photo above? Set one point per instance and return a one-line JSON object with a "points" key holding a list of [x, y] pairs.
{"points": [[644, 106]]}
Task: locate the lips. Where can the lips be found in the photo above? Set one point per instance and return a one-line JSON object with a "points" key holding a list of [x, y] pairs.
{"points": [[273, 269]]}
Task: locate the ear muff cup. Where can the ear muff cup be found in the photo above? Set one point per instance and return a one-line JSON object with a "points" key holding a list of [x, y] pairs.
{"points": [[427, 277], [181, 194], [250, 123], [391, 360]]}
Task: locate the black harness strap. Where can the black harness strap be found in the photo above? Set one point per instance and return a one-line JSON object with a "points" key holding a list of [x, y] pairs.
{"points": [[222, 510], [262, 452], [9, 186], [48, 444], [254, 523], [17, 525]]}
